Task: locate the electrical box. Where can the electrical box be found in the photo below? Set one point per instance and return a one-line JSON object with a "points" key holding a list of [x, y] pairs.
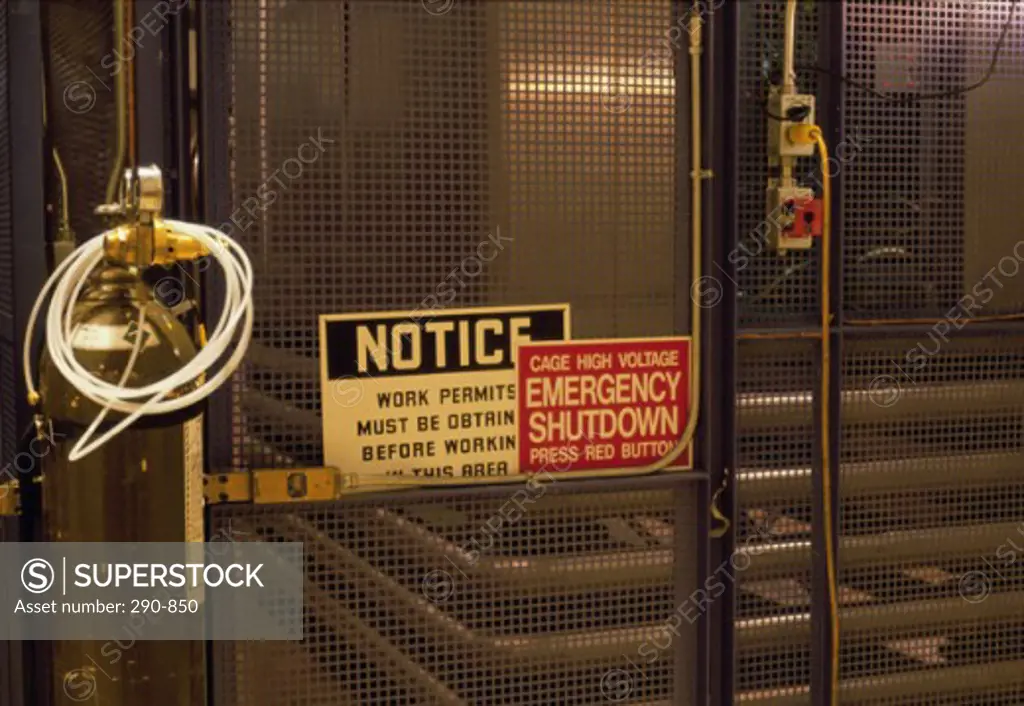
{"points": [[782, 105], [794, 217]]}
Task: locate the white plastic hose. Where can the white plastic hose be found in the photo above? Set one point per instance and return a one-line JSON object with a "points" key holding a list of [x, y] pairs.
{"points": [[67, 282]]}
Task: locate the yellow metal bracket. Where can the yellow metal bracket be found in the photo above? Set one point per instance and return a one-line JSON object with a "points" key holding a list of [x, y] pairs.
{"points": [[9, 498], [274, 486]]}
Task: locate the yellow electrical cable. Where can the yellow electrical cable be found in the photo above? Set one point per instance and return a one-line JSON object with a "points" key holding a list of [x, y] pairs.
{"points": [[826, 461], [812, 134], [696, 225]]}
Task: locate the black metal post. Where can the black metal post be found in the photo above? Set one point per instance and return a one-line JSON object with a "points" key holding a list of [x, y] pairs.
{"points": [[689, 680], [181, 101], [830, 117], [721, 234], [28, 224], [162, 108], [215, 191], [151, 86]]}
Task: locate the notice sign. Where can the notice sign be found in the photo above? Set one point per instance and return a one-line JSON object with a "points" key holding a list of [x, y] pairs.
{"points": [[427, 395], [587, 405]]}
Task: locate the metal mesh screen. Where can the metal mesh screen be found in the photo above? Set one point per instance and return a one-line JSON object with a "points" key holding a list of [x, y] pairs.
{"points": [[79, 46], [774, 457], [8, 423], [775, 428], [928, 209], [930, 519], [588, 115], [9, 431], [931, 425], [376, 145], [771, 290], [10, 662], [451, 598]]}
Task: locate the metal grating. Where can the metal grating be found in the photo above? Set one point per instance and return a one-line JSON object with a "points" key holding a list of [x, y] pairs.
{"points": [[80, 103], [771, 290], [965, 697], [588, 124], [930, 452], [920, 227], [774, 457], [930, 525], [392, 104], [8, 390], [9, 432], [452, 598], [444, 124], [10, 653]]}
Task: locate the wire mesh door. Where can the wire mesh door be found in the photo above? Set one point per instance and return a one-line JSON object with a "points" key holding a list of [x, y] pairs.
{"points": [[928, 397], [363, 151], [559, 592], [375, 145]]}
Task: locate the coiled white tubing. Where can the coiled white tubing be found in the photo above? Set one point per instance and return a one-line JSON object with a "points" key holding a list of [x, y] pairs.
{"points": [[67, 282]]}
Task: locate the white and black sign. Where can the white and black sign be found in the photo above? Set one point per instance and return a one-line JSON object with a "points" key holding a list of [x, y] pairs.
{"points": [[427, 397]]}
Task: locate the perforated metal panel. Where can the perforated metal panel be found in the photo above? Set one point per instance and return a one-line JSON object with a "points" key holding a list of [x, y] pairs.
{"points": [[929, 207], [775, 431], [931, 425], [373, 147], [459, 598], [771, 290], [540, 120], [8, 424], [774, 458], [82, 67], [931, 439], [588, 128], [442, 124], [11, 664], [931, 531]]}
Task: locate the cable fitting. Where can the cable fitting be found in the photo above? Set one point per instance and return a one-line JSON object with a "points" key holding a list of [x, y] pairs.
{"points": [[803, 134]]}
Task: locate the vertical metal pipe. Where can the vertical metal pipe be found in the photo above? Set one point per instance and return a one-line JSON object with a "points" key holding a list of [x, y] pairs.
{"points": [[789, 51], [789, 78], [181, 97]]}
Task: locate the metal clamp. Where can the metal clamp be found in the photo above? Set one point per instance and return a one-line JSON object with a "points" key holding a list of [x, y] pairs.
{"points": [[276, 486]]}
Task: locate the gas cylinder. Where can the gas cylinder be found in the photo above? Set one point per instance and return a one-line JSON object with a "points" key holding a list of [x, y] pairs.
{"points": [[145, 485]]}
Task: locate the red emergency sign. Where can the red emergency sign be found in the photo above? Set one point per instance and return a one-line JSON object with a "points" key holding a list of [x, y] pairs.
{"points": [[602, 404]]}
